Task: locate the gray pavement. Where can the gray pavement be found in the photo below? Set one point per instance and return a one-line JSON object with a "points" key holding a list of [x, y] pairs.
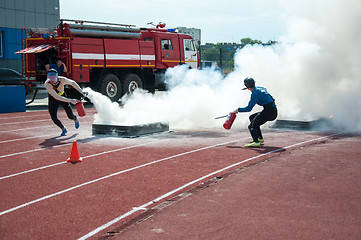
{"points": [[40, 102]]}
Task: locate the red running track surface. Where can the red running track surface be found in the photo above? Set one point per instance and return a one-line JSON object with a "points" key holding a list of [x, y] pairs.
{"points": [[44, 197]]}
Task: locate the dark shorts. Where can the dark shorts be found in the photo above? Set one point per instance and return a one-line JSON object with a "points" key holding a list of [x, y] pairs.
{"points": [[53, 110], [269, 113]]}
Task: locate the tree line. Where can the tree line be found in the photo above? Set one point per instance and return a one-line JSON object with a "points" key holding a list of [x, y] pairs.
{"points": [[223, 53]]}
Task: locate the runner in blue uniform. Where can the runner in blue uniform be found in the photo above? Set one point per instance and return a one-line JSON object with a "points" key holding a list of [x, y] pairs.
{"points": [[261, 97]]}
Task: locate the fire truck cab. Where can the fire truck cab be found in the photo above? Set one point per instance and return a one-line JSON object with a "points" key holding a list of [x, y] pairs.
{"points": [[113, 59]]}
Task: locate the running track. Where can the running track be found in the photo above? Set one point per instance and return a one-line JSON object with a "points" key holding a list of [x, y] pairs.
{"points": [[43, 197]]}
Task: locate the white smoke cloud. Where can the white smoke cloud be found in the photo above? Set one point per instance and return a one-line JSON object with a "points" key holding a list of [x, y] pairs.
{"points": [[314, 72], [194, 99]]}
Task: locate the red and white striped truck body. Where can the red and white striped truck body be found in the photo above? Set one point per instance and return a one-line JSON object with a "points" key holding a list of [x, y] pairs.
{"points": [[111, 60]]}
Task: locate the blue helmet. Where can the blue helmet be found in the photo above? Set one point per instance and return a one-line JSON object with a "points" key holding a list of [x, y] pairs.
{"points": [[52, 75]]}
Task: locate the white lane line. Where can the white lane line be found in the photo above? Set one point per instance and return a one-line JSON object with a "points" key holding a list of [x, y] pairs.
{"points": [[55, 164], [42, 120], [43, 126], [30, 121], [97, 230], [21, 129], [32, 115], [26, 138], [93, 155], [111, 175], [34, 150], [32, 170], [29, 115]]}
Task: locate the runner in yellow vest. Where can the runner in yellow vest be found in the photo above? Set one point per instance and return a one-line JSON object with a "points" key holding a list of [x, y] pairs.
{"points": [[54, 84]]}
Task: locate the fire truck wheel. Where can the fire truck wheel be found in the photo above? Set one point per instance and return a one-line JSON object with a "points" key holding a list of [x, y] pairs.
{"points": [[111, 87], [132, 82]]}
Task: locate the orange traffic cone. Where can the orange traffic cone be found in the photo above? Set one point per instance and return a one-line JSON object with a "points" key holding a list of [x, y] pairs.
{"points": [[74, 155]]}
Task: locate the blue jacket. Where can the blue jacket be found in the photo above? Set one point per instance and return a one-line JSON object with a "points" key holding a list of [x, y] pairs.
{"points": [[59, 69], [259, 96]]}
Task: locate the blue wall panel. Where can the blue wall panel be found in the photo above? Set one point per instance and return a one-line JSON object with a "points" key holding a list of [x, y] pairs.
{"points": [[11, 42], [12, 99]]}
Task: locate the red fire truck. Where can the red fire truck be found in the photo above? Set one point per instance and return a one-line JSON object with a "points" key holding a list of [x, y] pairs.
{"points": [[113, 59]]}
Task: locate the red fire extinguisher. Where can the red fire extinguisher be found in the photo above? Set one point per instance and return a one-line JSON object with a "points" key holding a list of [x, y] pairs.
{"points": [[229, 121], [80, 108]]}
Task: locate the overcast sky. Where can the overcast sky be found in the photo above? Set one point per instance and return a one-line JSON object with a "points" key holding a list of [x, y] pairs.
{"points": [[219, 21]]}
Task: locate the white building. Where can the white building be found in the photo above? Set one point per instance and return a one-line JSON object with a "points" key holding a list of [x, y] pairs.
{"points": [[17, 15], [194, 32]]}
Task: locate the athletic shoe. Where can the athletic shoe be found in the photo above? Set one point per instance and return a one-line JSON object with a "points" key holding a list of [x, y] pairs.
{"points": [[260, 140], [253, 144], [77, 123], [63, 132]]}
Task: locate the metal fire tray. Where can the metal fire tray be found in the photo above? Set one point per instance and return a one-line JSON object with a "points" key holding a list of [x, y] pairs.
{"points": [[303, 125], [130, 131]]}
